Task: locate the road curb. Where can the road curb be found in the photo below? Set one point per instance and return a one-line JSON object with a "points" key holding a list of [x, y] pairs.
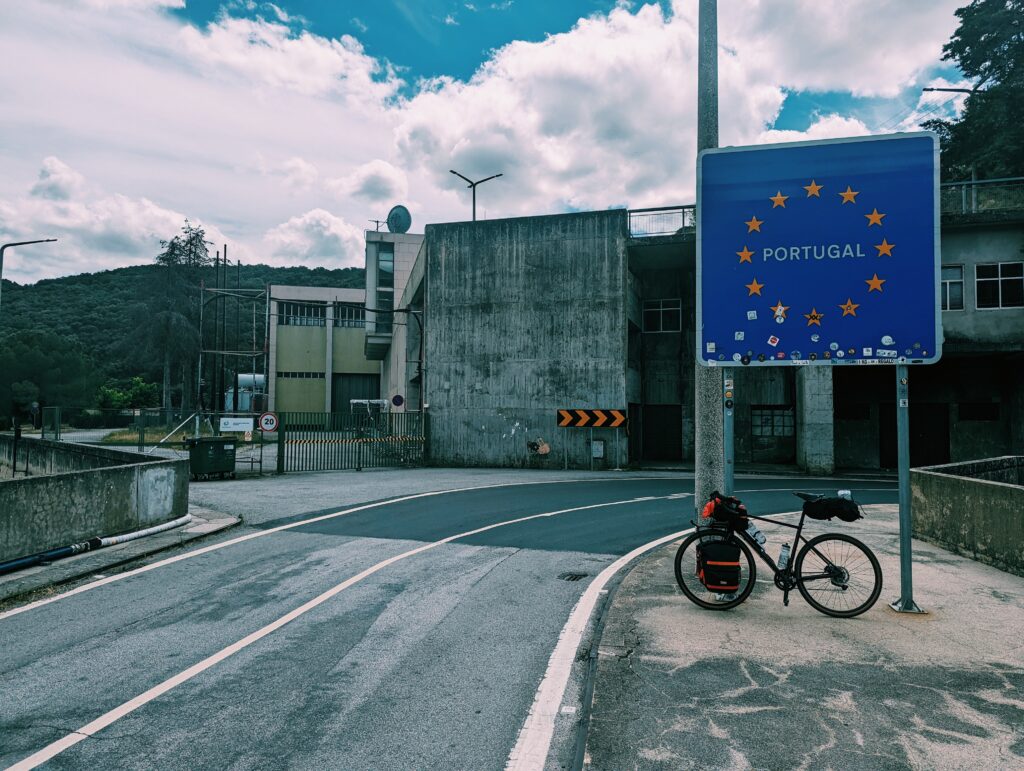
{"points": [[17, 586]]}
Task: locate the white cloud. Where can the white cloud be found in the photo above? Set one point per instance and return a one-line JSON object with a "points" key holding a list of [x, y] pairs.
{"points": [[825, 127], [317, 238], [160, 118], [57, 180], [95, 230], [377, 181], [270, 53], [298, 173]]}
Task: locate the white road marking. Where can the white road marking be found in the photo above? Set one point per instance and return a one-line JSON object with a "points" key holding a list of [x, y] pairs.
{"points": [[270, 531], [534, 740], [53, 749]]}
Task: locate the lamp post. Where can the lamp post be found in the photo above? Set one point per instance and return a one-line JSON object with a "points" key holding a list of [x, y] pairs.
{"points": [[472, 186], [17, 243]]}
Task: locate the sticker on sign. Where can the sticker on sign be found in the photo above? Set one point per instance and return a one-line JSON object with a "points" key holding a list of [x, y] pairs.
{"points": [[268, 422]]}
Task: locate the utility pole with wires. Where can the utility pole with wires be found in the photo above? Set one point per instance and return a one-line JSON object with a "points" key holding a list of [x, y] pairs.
{"points": [[472, 185]]}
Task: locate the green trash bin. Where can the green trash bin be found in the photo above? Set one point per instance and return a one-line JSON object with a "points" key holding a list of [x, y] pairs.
{"points": [[211, 455]]}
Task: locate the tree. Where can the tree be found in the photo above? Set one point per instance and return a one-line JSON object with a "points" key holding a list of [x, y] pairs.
{"points": [[988, 47], [172, 330]]}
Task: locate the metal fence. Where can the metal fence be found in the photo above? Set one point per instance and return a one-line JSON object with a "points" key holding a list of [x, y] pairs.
{"points": [[662, 221], [156, 432], [982, 196], [318, 441]]}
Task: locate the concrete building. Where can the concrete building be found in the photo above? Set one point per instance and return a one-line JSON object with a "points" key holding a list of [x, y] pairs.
{"points": [[392, 336], [527, 316], [316, 350]]}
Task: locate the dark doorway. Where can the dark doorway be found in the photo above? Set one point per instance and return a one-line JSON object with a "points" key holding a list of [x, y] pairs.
{"points": [[634, 430], [663, 431], [929, 434], [346, 387]]}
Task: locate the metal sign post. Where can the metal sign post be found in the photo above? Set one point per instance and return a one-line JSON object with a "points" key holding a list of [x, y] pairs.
{"points": [[821, 254], [905, 603], [728, 438]]}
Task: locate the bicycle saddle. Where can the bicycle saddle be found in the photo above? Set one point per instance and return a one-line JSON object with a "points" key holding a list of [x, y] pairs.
{"points": [[808, 496]]}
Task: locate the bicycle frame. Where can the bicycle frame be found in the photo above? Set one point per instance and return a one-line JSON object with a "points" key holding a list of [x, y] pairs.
{"points": [[798, 541]]}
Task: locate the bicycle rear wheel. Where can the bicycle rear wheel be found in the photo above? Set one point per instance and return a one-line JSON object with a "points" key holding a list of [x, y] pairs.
{"points": [[838, 575], [687, 571]]}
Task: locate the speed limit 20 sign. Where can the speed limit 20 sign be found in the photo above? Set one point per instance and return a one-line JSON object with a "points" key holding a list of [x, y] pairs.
{"points": [[268, 422]]}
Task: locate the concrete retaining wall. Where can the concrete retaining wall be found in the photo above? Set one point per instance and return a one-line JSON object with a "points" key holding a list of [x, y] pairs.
{"points": [[74, 492], [975, 509]]}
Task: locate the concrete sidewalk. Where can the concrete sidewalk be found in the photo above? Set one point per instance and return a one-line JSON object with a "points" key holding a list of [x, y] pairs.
{"points": [[41, 578], [766, 686]]}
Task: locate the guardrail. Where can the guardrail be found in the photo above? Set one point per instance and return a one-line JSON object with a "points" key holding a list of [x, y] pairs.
{"points": [[968, 197], [662, 221], [982, 196]]}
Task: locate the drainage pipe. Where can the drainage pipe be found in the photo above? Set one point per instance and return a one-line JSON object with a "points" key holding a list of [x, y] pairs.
{"points": [[91, 545]]}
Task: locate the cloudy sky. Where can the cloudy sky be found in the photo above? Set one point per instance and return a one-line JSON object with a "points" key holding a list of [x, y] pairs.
{"points": [[283, 128]]}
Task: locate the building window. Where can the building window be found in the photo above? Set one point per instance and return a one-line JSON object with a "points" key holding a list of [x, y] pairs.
{"points": [[952, 287], [772, 420], [301, 314], [1000, 285], [349, 316], [301, 375], [386, 265], [979, 411], [385, 307], [663, 315]]}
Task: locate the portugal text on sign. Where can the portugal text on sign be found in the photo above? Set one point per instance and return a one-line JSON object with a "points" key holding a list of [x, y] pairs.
{"points": [[591, 418]]}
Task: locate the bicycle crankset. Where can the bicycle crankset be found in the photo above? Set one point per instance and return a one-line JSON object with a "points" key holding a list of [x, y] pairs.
{"points": [[786, 582]]}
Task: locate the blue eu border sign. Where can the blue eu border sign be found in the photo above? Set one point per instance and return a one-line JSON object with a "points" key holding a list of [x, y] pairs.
{"points": [[819, 253]]}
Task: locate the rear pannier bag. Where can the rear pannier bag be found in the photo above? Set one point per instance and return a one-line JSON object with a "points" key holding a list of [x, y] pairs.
{"points": [[718, 566], [826, 508]]}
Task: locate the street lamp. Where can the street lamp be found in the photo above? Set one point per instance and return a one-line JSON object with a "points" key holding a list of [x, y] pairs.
{"points": [[17, 243], [472, 186]]}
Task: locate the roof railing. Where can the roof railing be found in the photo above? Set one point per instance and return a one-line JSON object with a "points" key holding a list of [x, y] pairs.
{"points": [[980, 196]]}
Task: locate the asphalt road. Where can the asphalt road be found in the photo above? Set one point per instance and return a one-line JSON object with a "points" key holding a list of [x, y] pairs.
{"points": [[389, 659]]}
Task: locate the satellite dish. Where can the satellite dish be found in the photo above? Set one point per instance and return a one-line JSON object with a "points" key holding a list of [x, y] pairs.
{"points": [[399, 219]]}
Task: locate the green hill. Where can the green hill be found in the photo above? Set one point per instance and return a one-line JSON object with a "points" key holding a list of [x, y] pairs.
{"points": [[67, 336]]}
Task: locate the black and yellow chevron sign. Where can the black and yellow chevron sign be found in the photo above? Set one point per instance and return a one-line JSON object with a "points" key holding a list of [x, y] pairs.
{"points": [[591, 418]]}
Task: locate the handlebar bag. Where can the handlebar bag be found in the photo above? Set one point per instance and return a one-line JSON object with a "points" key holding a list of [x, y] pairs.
{"points": [[718, 566], [725, 508], [826, 508]]}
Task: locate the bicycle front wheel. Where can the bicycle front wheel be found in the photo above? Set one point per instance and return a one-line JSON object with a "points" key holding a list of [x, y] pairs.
{"points": [[838, 575], [688, 578]]}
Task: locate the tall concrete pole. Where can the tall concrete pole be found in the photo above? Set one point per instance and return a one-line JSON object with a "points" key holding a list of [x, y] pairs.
{"points": [[708, 462]]}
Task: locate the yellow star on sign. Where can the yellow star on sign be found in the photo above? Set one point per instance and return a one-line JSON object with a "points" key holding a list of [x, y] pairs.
{"points": [[849, 195], [779, 309], [884, 248], [754, 287], [850, 308], [754, 224], [874, 283], [813, 189], [874, 218], [814, 317], [745, 255], [778, 200]]}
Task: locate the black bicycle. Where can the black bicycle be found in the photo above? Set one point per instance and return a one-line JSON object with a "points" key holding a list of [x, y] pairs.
{"points": [[837, 574]]}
